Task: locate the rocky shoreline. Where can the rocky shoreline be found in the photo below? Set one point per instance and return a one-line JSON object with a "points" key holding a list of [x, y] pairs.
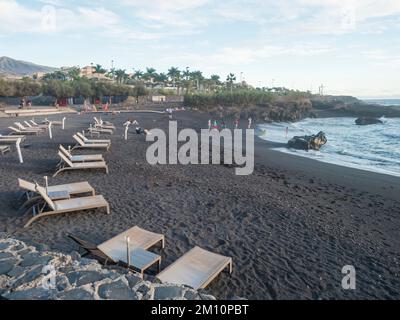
{"points": [[28, 273]]}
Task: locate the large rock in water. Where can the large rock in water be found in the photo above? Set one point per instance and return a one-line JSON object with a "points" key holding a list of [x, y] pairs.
{"points": [[313, 142], [363, 121]]}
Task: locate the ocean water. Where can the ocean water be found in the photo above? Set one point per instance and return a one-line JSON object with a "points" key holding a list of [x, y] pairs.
{"points": [[384, 102], [374, 148]]}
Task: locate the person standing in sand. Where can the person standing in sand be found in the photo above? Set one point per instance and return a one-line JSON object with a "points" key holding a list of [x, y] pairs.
{"points": [[250, 122], [223, 125], [236, 123], [209, 124], [287, 132]]}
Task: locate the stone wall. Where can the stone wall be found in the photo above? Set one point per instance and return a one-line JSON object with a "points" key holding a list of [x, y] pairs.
{"points": [[23, 276]]}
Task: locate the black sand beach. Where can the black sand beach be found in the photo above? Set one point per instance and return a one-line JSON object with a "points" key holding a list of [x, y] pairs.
{"points": [[290, 227]]}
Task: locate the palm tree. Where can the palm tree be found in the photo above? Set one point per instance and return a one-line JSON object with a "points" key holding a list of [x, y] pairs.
{"points": [[197, 76], [175, 76], [215, 80], [74, 73], [161, 78], [186, 74], [230, 79], [150, 73], [99, 69], [121, 75], [138, 74]]}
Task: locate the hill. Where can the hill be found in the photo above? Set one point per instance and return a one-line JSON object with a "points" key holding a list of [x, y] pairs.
{"points": [[16, 68]]}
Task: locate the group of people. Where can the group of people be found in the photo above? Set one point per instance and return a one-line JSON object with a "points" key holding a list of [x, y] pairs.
{"points": [[220, 125], [138, 129], [24, 103]]}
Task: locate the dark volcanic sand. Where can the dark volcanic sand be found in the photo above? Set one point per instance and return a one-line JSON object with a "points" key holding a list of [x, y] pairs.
{"points": [[290, 226]]}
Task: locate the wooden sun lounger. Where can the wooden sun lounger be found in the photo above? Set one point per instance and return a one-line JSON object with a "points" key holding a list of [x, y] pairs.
{"points": [[69, 165], [103, 123], [115, 250], [12, 139], [197, 268], [54, 123], [54, 192], [21, 127], [81, 158], [86, 140], [22, 132], [4, 149], [34, 125], [82, 145], [100, 130], [68, 205], [104, 126]]}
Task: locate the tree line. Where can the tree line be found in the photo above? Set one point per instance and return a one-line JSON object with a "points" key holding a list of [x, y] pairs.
{"points": [[58, 88]]}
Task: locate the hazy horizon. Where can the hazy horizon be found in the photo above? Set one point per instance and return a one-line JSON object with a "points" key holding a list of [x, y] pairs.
{"points": [[300, 44]]}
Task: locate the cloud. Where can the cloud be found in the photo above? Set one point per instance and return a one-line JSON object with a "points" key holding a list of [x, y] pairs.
{"points": [[246, 54], [17, 18]]}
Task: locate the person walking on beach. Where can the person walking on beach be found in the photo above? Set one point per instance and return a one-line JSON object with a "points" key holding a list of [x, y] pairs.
{"points": [[236, 123], [250, 122], [215, 125], [287, 132], [223, 125], [209, 124]]}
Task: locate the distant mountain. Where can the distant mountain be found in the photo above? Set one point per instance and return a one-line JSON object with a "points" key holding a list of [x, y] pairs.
{"points": [[12, 67]]}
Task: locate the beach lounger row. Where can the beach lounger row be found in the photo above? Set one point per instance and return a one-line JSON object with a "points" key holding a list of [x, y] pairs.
{"points": [[23, 132], [197, 268], [30, 127]]}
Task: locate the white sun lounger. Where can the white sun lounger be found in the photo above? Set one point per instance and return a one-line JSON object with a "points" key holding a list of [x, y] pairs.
{"points": [[197, 268], [32, 124], [82, 145], [99, 130], [11, 139], [21, 127], [104, 124], [22, 132], [81, 158], [69, 165], [86, 140], [68, 205]]}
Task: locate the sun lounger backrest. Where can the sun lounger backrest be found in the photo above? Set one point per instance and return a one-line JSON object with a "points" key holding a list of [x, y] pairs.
{"points": [[28, 124], [34, 123], [77, 139], [14, 129], [44, 195], [19, 125], [80, 135], [26, 185], [65, 151], [65, 159]]}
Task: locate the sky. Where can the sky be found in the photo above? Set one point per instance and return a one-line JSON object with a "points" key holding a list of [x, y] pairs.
{"points": [[352, 47]]}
